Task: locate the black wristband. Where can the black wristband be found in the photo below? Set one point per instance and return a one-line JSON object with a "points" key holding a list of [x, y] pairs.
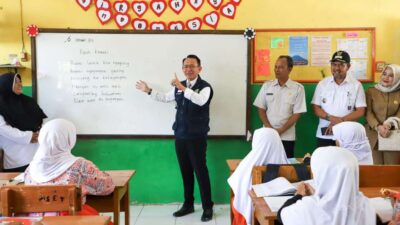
{"points": [[149, 93]]}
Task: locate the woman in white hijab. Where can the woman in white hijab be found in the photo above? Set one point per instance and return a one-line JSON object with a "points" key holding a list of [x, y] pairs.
{"points": [[383, 101], [336, 199], [267, 148], [352, 136], [53, 163]]}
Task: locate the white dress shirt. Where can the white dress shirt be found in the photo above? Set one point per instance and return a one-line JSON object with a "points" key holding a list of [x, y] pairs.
{"points": [[196, 96], [18, 151], [337, 100]]}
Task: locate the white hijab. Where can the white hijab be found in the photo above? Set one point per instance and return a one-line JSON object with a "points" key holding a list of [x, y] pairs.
{"points": [[352, 136], [56, 139], [337, 200], [396, 79], [267, 148]]}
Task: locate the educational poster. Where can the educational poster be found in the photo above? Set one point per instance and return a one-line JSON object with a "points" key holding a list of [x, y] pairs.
{"points": [[277, 42], [356, 47], [262, 62], [321, 48], [298, 50], [358, 69]]}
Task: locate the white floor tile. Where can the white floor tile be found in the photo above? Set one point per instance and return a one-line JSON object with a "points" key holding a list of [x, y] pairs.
{"points": [[162, 215]]}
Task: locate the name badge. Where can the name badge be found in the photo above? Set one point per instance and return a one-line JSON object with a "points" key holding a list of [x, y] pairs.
{"points": [[270, 93]]}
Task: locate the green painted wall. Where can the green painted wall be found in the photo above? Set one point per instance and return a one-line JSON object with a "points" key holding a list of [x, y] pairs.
{"points": [[158, 177]]}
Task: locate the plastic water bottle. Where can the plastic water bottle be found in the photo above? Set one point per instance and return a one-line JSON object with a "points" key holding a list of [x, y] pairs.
{"points": [[396, 209]]}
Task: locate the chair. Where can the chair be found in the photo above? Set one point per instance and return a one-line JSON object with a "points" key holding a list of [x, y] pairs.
{"points": [[286, 171], [37, 198]]}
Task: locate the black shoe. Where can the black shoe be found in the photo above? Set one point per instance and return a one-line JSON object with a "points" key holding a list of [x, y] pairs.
{"points": [[184, 211], [207, 215]]}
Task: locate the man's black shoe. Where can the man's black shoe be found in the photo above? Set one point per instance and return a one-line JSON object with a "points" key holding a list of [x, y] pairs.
{"points": [[207, 215], [184, 211]]}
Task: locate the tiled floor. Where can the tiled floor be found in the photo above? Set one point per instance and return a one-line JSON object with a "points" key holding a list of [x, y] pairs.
{"points": [[162, 215]]}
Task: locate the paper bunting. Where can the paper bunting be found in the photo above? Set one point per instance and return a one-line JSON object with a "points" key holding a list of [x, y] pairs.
{"points": [[139, 24], [84, 4], [211, 19], [139, 7], [119, 11], [158, 7], [196, 4], [228, 10], [176, 25], [177, 5]]}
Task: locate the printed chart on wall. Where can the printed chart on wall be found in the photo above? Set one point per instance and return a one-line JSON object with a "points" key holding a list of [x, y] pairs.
{"points": [[89, 77], [311, 50]]}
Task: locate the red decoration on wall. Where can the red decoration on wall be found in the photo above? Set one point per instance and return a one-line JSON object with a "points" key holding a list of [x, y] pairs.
{"points": [[158, 7], [196, 4], [103, 4], [122, 20], [177, 5], [228, 10], [32, 30], [215, 3], [84, 4], [121, 6], [211, 19], [236, 2], [139, 8], [176, 25], [194, 24], [159, 25], [139, 24], [104, 15]]}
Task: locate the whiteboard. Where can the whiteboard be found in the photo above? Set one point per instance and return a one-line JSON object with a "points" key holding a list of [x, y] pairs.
{"points": [[89, 78]]}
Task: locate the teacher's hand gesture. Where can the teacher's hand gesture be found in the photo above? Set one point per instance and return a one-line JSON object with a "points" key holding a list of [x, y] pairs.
{"points": [[141, 85], [175, 82]]}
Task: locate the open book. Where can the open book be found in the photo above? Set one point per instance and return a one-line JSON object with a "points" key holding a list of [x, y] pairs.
{"points": [[276, 187], [383, 208]]}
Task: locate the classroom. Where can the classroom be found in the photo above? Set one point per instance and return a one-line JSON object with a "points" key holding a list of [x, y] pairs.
{"points": [[158, 179]]}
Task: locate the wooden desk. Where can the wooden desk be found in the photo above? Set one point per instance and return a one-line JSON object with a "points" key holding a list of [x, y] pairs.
{"points": [[115, 202], [118, 200], [232, 164], [75, 220]]}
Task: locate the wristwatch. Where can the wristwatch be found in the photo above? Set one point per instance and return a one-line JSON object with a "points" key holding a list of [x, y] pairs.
{"points": [[327, 117], [149, 93]]}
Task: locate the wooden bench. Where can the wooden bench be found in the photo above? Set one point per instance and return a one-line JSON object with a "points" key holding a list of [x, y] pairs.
{"points": [[37, 198]]}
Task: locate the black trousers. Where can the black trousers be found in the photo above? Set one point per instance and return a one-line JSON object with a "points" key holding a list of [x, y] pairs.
{"points": [[325, 142], [191, 154], [16, 169], [289, 148]]}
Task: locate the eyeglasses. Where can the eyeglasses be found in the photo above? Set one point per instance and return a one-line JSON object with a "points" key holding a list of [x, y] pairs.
{"points": [[189, 66]]}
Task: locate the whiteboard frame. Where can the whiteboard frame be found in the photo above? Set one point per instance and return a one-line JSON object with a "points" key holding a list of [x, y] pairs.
{"points": [[112, 31]]}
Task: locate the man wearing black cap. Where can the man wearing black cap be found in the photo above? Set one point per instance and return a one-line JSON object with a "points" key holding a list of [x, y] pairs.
{"points": [[337, 98]]}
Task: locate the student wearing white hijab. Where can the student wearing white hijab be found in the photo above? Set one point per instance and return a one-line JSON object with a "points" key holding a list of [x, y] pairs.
{"points": [[54, 164], [267, 148], [351, 136], [336, 199]]}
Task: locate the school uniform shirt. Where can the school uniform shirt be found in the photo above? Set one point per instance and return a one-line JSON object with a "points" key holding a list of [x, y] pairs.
{"points": [[18, 151], [337, 100], [337, 199], [267, 148], [281, 102], [198, 98]]}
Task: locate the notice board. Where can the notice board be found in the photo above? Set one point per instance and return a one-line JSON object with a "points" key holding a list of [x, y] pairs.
{"points": [[311, 50]]}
